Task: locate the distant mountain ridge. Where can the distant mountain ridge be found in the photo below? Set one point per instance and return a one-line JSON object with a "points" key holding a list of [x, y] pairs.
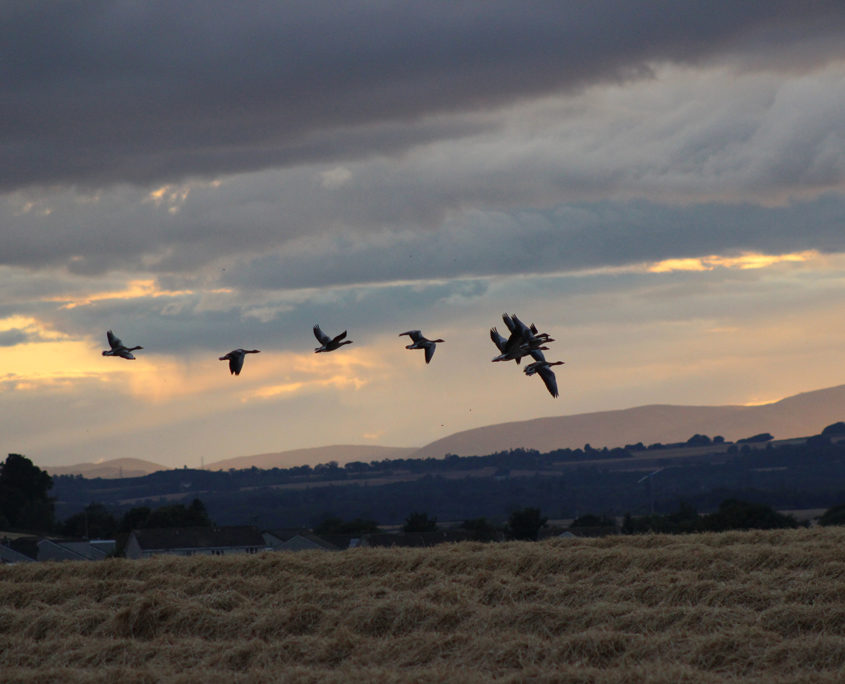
{"points": [[800, 415], [342, 453], [117, 467], [796, 416]]}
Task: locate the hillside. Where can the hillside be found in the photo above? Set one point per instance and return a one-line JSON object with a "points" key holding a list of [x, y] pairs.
{"points": [[341, 453], [796, 416], [118, 467], [744, 606], [799, 415]]}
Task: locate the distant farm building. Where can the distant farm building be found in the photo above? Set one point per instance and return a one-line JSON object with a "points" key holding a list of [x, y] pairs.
{"points": [[191, 541]]}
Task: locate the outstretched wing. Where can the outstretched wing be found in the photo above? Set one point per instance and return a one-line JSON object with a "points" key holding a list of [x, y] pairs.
{"points": [[415, 335], [322, 338], [537, 355], [429, 351], [498, 340], [508, 320], [549, 379], [114, 340], [339, 337]]}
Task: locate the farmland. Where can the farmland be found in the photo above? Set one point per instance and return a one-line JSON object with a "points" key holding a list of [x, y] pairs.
{"points": [[760, 606]]}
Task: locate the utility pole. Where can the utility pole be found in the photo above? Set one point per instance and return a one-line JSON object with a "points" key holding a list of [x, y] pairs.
{"points": [[648, 479]]}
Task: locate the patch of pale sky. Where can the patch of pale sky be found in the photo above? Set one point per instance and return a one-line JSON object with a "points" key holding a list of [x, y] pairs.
{"points": [[742, 261], [135, 289]]}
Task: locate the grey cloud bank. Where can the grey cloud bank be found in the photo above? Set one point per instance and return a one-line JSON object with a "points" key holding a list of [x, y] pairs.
{"points": [[98, 93]]}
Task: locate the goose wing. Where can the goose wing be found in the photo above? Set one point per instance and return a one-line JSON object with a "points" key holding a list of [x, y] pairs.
{"points": [[519, 325], [429, 351], [509, 320], [549, 379], [322, 338], [415, 335], [537, 355], [114, 340], [338, 338], [498, 340]]}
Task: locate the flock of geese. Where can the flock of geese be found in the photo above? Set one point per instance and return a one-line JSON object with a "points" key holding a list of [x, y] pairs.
{"points": [[523, 340]]}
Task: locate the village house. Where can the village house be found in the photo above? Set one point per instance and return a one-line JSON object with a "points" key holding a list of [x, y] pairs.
{"points": [[190, 541], [74, 549], [304, 540], [9, 555]]}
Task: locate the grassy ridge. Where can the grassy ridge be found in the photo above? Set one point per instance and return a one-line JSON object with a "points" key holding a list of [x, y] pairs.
{"points": [[759, 606]]}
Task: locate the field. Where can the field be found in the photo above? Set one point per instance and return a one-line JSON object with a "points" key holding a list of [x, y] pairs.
{"points": [[741, 606]]}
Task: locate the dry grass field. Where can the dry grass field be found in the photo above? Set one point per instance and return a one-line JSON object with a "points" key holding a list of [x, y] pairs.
{"points": [[742, 606]]}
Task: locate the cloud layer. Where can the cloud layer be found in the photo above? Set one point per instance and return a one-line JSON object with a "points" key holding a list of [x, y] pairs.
{"points": [[141, 93], [202, 176]]}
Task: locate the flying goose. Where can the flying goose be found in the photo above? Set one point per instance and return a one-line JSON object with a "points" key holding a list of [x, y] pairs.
{"points": [[327, 343], [529, 334], [118, 348], [543, 369], [236, 359], [513, 348], [420, 342]]}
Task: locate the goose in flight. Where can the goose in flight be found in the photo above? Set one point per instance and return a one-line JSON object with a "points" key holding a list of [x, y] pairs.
{"points": [[118, 348], [327, 343], [513, 348], [529, 334], [420, 342], [543, 369], [236, 359]]}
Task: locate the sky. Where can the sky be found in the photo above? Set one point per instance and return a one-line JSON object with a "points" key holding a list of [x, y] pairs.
{"points": [[660, 186]]}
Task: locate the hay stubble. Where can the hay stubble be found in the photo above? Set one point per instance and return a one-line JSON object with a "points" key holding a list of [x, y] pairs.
{"points": [[752, 606]]}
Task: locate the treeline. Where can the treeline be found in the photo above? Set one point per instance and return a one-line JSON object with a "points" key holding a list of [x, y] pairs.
{"points": [[732, 514], [566, 483], [96, 521], [173, 481], [784, 477]]}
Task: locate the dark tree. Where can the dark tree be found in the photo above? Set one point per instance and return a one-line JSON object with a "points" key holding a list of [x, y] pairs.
{"points": [[135, 518], [833, 516], [525, 523], [834, 429], [419, 522], [177, 515], [762, 437], [743, 515], [95, 522], [24, 503], [482, 528]]}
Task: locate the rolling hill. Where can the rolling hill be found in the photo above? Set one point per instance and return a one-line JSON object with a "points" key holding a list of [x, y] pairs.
{"points": [[799, 415], [342, 453], [118, 467]]}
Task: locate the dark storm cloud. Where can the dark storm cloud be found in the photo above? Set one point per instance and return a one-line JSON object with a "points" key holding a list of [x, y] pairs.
{"points": [[102, 92]]}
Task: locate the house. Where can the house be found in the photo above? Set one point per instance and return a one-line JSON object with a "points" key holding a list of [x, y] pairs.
{"points": [[303, 540], [74, 549], [9, 555], [13, 545], [190, 541]]}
